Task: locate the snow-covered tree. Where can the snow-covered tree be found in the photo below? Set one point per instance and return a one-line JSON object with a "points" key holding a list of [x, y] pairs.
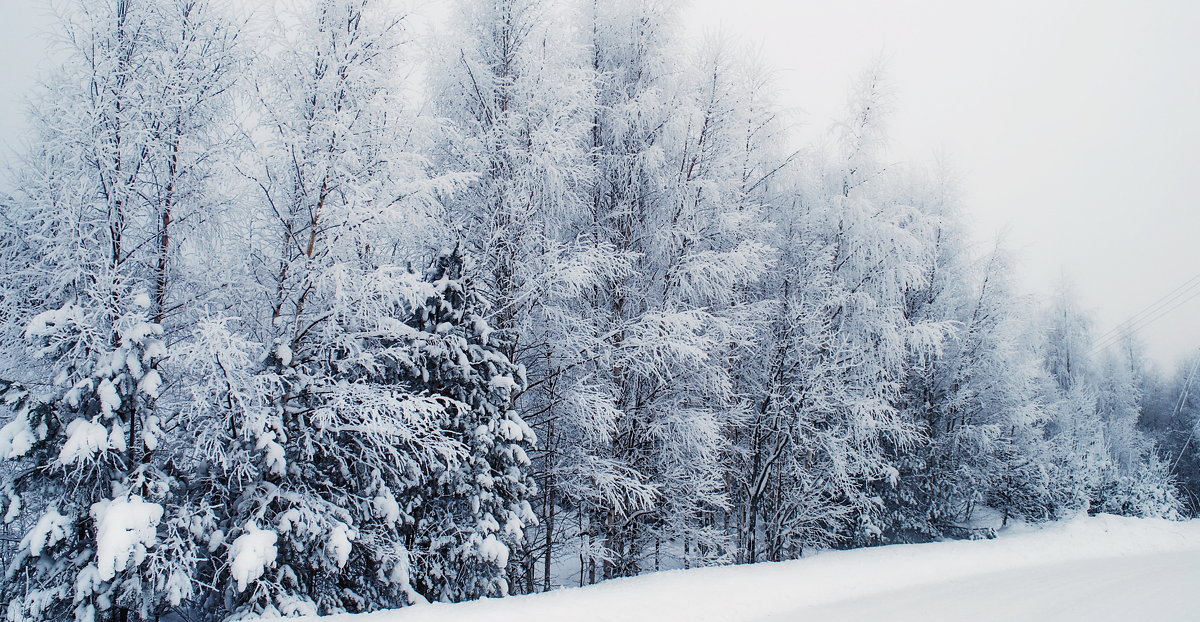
{"points": [[316, 431], [1102, 463], [111, 187], [517, 101], [978, 404], [661, 339], [470, 514], [88, 473], [669, 190], [1138, 482], [854, 246]]}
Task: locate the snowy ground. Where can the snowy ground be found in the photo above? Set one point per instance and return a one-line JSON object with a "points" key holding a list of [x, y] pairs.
{"points": [[1091, 568]]}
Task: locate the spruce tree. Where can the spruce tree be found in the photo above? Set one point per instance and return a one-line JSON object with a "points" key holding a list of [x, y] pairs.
{"points": [[475, 511], [88, 483]]}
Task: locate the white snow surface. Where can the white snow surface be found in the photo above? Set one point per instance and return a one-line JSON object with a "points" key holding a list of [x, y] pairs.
{"points": [[1089, 568], [109, 399], [49, 529], [16, 438], [494, 551], [339, 543], [84, 440], [125, 528], [251, 554]]}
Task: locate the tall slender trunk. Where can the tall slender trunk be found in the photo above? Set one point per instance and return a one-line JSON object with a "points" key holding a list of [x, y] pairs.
{"points": [[164, 233], [548, 558]]}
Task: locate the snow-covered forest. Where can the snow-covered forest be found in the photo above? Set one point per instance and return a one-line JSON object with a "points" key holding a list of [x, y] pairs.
{"points": [[304, 314]]}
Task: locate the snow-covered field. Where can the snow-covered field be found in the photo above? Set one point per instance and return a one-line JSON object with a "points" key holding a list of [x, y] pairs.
{"points": [[1090, 568]]}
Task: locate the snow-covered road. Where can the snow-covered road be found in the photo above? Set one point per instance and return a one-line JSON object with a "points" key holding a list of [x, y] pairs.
{"points": [[1159, 587], [1092, 568]]}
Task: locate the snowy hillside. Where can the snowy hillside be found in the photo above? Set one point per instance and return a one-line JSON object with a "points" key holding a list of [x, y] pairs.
{"points": [[1090, 568]]}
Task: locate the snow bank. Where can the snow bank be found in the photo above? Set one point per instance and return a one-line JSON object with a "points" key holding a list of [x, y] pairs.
{"points": [[826, 581]]}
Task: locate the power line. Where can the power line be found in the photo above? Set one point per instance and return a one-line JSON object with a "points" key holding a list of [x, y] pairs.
{"points": [[1183, 395], [1152, 313], [1186, 285], [1148, 320]]}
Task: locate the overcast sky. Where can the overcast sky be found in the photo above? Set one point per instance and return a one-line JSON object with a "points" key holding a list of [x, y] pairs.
{"points": [[1075, 124]]}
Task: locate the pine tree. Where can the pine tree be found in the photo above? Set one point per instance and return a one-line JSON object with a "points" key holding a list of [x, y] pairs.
{"points": [[474, 512], [310, 429], [89, 475]]}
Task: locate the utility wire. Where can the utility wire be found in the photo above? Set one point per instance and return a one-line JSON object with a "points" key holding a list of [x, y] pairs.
{"points": [[1183, 395], [1174, 299], [1147, 321], [1186, 285]]}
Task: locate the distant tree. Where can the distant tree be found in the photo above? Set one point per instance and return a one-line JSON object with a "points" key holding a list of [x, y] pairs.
{"points": [[1170, 416], [1102, 463]]}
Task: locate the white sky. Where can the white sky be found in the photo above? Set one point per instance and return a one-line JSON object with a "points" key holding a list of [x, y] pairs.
{"points": [[1075, 124]]}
